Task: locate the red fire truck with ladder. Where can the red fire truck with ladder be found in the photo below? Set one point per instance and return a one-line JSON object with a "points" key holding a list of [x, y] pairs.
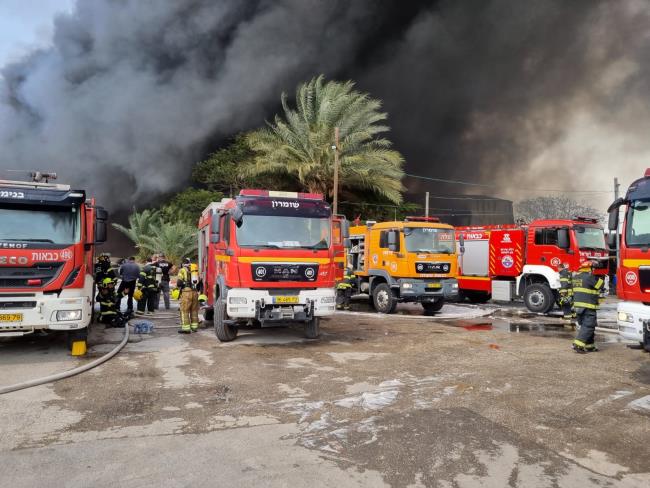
{"points": [[268, 257], [503, 262], [48, 234], [633, 270]]}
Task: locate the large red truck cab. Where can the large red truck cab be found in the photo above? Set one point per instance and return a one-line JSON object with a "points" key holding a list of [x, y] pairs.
{"points": [[633, 267], [48, 234], [266, 258], [507, 261]]}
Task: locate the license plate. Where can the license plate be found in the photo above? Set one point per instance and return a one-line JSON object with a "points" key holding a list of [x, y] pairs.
{"points": [[434, 285], [11, 317], [285, 299]]}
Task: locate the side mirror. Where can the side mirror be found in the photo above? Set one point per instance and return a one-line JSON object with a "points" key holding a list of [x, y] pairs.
{"points": [[563, 240], [461, 243], [393, 242], [101, 225], [612, 224], [611, 239], [237, 215], [345, 228], [214, 229]]}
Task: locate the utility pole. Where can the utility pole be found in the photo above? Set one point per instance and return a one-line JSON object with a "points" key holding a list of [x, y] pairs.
{"points": [[336, 170], [618, 244], [426, 204]]}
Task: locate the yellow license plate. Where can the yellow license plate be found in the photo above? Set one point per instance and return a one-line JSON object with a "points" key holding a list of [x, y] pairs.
{"points": [[11, 317], [434, 285], [285, 299]]}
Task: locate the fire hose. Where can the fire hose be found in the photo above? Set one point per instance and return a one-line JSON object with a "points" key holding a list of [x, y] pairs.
{"points": [[70, 373]]}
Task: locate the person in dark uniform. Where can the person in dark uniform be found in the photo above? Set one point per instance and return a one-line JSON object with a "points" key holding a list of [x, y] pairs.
{"points": [[147, 284], [344, 290], [586, 293], [104, 269], [106, 299], [165, 267], [566, 294]]}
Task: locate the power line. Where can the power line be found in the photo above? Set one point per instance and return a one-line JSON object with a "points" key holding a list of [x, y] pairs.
{"points": [[486, 185]]}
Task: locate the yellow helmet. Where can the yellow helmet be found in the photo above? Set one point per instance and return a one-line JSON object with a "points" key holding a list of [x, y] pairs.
{"points": [[176, 293], [203, 298], [137, 294], [194, 267]]}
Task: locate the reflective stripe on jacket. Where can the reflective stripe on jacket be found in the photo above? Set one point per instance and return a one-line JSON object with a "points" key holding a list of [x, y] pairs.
{"points": [[586, 290]]}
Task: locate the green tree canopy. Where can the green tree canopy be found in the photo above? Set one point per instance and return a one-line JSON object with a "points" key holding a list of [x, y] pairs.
{"points": [[187, 205], [176, 240], [299, 143], [141, 225]]}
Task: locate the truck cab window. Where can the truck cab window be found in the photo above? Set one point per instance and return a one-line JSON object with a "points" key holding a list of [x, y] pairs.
{"points": [[546, 237], [383, 239], [225, 222]]}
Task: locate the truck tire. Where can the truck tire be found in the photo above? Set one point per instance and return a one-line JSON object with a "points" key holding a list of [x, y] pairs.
{"points": [[383, 299], [312, 328], [225, 332], [477, 296], [432, 307], [539, 298]]}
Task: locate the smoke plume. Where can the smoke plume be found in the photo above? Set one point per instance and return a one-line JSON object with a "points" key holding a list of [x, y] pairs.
{"points": [[517, 94]]}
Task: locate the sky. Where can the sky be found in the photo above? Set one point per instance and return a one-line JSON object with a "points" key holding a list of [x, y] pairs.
{"points": [[27, 24], [520, 96]]}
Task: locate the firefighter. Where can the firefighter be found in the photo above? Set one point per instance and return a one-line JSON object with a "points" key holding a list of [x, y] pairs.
{"points": [[190, 286], [106, 299], [586, 292], [566, 294], [344, 290], [104, 269], [148, 285]]}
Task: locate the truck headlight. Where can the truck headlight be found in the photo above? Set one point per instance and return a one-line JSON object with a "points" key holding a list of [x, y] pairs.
{"points": [[65, 315], [625, 317], [454, 285], [407, 285], [328, 299], [237, 300]]}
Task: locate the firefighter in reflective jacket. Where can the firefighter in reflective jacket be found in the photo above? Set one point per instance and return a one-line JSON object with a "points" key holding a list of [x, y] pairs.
{"points": [[106, 299], [190, 285], [586, 293], [344, 290], [148, 285], [566, 293], [104, 269]]}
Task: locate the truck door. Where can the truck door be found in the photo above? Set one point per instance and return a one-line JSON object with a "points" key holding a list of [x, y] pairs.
{"points": [[545, 249]]}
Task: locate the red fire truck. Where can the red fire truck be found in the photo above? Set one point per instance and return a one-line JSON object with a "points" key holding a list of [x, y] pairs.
{"points": [[48, 234], [633, 270], [507, 261], [267, 257]]}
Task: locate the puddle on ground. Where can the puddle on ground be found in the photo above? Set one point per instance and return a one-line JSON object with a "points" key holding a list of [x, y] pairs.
{"points": [[517, 327]]}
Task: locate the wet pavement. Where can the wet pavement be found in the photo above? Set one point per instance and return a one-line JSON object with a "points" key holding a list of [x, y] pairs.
{"points": [[474, 396]]}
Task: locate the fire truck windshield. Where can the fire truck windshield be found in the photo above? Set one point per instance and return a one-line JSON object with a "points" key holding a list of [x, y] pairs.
{"points": [[637, 230], [281, 232], [36, 224], [429, 240], [590, 237]]}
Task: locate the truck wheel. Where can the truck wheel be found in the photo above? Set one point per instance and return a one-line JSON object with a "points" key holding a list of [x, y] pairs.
{"points": [[225, 332], [312, 328], [477, 296], [538, 298], [432, 307], [383, 299]]}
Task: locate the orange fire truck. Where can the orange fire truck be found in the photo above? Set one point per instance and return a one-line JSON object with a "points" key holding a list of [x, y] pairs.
{"points": [[48, 234], [267, 257], [633, 271], [507, 261]]}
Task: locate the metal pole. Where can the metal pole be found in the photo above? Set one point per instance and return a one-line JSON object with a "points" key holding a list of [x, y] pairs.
{"points": [[618, 243], [426, 204], [336, 170]]}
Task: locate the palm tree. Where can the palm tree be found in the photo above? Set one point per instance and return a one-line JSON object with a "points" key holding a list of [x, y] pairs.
{"points": [[174, 239], [141, 225], [300, 143]]}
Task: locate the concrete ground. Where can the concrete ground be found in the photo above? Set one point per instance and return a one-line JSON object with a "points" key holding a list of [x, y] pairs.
{"points": [[476, 396]]}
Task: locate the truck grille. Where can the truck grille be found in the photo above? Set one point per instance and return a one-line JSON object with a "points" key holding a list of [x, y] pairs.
{"points": [[11, 277], [14, 305]]}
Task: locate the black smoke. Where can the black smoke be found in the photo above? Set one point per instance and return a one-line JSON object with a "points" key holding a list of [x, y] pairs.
{"points": [[132, 92]]}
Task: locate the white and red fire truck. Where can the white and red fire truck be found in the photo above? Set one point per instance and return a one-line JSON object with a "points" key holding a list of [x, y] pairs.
{"points": [[633, 270], [503, 262], [268, 257], [48, 234]]}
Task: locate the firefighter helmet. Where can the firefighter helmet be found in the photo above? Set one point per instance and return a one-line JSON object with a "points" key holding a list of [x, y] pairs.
{"points": [[203, 298], [176, 293], [137, 294], [587, 263], [107, 281], [194, 267]]}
